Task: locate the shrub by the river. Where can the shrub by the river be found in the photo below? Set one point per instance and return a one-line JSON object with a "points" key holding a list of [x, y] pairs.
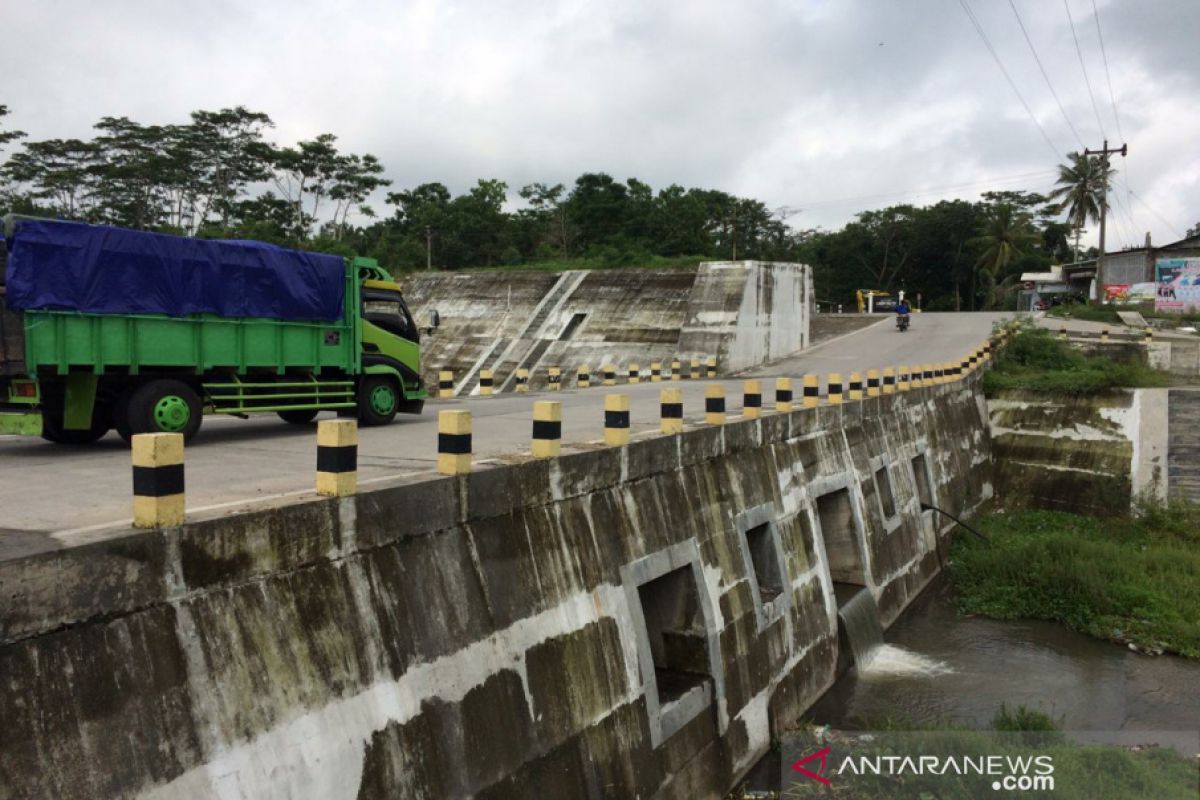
{"points": [[1131, 580], [1035, 360]]}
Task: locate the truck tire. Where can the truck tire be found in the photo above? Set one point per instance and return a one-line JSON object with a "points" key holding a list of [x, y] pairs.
{"points": [[300, 416], [53, 430], [165, 406], [120, 414], [378, 400]]}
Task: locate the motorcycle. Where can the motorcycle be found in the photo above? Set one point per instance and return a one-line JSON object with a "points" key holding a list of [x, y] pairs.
{"points": [[902, 322]]}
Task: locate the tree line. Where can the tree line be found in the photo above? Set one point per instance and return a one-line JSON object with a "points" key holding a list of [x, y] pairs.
{"points": [[218, 175]]}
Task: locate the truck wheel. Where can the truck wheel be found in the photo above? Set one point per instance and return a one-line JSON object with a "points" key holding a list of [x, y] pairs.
{"points": [[165, 406], [378, 400], [53, 430], [120, 414], [300, 416]]}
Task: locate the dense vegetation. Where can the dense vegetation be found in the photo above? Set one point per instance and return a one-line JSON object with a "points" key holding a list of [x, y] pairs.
{"points": [[1134, 580], [1036, 360], [219, 175]]}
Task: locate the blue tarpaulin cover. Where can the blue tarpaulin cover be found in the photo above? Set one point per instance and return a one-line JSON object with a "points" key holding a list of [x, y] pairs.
{"points": [[72, 266]]}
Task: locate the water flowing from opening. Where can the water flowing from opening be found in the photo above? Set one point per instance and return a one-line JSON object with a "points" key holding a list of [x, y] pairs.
{"points": [[860, 621], [890, 661]]}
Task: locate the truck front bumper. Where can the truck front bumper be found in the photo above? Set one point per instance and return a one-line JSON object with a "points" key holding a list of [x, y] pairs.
{"points": [[21, 423]]}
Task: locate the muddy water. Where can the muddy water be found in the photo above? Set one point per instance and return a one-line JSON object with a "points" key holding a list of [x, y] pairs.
{"points": [[938, 666]]}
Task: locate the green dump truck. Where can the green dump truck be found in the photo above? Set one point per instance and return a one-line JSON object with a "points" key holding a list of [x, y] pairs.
{"points": [[104, 328]]}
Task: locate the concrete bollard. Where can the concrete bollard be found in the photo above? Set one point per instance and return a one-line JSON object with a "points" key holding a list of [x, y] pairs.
{"points": [[158, 497], [904, 379], [872, 383], [547, 428], [1062, 332], [964, 367], [486, 382], [616, 420], [694, 369], [889, 380], [714, 404], [1104, 334], [856, 387], [751, 399], [1149, 335], [783, 395], [834, 391], [671, 404], [811, 390], [939, 373], [610, 374], [675, 371], [454, 442], [522, 380], [710, 367], [635, 373], [445, 383], [337, 457], [656, 372], [926, 375], [554, 379], [583, 377]]}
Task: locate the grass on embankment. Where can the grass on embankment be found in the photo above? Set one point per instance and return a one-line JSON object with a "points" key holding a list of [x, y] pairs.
{"points": [[1108, 313], [1131, 580], [1035, 360]]}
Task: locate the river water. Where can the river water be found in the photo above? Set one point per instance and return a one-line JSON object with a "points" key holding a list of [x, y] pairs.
{"points": [[938, 666]]}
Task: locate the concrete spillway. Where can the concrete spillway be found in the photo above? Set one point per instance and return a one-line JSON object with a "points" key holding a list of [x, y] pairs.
{"points": [[634, 621]]}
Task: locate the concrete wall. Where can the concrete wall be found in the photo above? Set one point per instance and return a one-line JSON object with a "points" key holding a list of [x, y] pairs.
{"points": [[744, 313], [1090, 455], [492, 635]]}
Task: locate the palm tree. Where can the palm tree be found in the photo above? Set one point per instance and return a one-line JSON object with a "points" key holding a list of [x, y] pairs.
{"points": [[1006, 234], [1081, 189]]}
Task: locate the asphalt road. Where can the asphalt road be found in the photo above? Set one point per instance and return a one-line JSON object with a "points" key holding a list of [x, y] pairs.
{"points": [[68, 493]]}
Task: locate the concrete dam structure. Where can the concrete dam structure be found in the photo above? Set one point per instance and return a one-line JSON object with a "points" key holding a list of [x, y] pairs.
{"points": [[636, 621], [743, 313]]}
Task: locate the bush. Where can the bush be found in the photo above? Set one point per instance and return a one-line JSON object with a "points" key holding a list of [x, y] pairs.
{"points": [[1037, 361]]}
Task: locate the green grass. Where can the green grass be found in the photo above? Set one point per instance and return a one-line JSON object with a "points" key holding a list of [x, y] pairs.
{"points": [[1131, 580], [1108, 313], [1037, 361]]}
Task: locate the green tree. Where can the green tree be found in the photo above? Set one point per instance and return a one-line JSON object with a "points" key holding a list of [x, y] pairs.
{"points": [[1080, 191], [1007, 234]]}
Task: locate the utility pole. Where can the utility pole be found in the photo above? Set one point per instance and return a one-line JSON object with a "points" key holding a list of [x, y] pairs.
{"points": [[429, 246], [1103, 153]]}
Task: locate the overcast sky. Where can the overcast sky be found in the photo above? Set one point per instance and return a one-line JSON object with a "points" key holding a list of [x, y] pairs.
{"points": [[830, 106]]}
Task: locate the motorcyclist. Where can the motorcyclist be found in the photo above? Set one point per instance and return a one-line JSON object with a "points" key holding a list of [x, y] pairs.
{"points": [[902, 311]]}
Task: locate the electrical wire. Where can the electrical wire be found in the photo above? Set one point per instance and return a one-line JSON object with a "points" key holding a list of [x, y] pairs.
{"points": [[1160, 217], [988, 44], [1086, 79], [926, 190], [1107, 75], [1046, 77]]}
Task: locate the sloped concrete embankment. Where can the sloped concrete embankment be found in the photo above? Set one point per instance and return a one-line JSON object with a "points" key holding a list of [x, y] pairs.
{"points": [[634, 621], [1089, 455], [743, 313]]}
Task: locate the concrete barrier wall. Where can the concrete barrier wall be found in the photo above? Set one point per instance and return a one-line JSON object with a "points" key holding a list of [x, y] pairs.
{"points": [[635, 621]]}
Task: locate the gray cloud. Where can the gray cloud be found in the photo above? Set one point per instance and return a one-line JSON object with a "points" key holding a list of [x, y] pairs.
{"points": [[802, 104]]}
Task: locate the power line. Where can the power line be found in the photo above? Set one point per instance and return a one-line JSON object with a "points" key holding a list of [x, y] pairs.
{"points": [[1160, 217], [1107, 76], [1049, 85], [988, 44], [1086, 79]]}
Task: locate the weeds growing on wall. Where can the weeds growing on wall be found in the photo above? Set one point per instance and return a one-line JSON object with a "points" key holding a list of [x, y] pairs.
{"points": [[1035, 360], [1133, 580]]}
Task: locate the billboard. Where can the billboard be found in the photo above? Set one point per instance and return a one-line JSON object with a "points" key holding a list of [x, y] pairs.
{"points": [[1178, 285]]}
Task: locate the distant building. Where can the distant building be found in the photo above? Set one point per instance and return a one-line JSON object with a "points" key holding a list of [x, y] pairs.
{"points": [[1124, 268]]}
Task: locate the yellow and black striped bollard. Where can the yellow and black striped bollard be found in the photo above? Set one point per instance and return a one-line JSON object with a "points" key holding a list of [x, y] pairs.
{"points": [[158, 498], [710, 367], [635, 373], [522, 379], [889, 380], [927, 375], [676, 371], [1104, 334], [486, 382], [554, 379], [610, 374], [694, 369], [751, 399], [547, 428], [454, 442], [856, 391], [872, 383], [445, 383], [783, 395], [671, 409], [1062, 331], [583, 378], [656, 372], [834, 390], [616, 419], [904, 379], [337, 457], [714, 404], [811, 390], [1149, 335]]}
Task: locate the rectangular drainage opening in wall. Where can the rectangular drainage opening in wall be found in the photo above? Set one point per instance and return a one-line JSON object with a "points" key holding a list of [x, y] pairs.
{"points": [[677, 640], [762, 551], [839, 530], [921, 474], [572, 326], [767, 573], [883, 487]]}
